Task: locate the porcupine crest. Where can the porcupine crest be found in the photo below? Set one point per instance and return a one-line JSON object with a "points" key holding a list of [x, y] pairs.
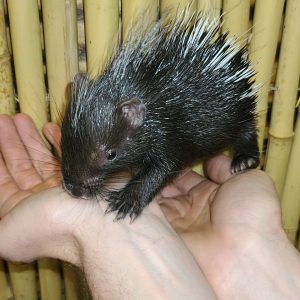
{"points": [[175, 85]]}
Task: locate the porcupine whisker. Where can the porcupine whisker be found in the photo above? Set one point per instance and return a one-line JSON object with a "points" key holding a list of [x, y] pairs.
{"points": [[45, 153], [21, 145], [45, 162]]}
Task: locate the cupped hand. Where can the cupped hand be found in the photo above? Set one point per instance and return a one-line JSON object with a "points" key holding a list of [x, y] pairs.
{"points": [[26, 165], [27, 169], [223, 203], [41, 220], [231, 224]]}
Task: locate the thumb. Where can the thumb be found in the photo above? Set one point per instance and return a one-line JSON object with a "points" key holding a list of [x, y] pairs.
{"points": [[52, 133]]}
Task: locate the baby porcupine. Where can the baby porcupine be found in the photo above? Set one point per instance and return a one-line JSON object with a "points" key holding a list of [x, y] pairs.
{"points": [[171, 95]]}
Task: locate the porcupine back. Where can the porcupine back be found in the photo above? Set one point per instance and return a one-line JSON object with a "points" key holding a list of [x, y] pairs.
{"points": [[171, 95]]}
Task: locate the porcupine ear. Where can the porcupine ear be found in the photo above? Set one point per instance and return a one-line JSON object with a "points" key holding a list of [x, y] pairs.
{"points": [[133, 111]]}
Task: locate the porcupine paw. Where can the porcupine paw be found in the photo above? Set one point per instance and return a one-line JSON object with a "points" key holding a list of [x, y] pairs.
{"points": [[124, 204], [243, 162]]}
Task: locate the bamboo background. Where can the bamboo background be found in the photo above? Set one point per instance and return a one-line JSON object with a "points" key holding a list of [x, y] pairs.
{"points": [[43, 43]]}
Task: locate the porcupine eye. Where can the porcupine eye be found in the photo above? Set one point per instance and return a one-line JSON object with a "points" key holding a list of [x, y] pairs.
{"points": [[111, 154]]}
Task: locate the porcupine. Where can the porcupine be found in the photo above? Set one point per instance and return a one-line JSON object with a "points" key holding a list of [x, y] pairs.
{"points": [[171, 95]]}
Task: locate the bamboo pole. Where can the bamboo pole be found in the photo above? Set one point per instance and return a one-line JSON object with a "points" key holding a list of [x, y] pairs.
{"points": [[101, 25], [236, 19], [136, 11], [5, 291], [81, 38], [171, 7], [7, 103], [60, 30], [28, 62], [49, 278], [262, 50], [210, 7], [23, 281], [75, 283], [291, 192], [285, 96], [71, 283]]}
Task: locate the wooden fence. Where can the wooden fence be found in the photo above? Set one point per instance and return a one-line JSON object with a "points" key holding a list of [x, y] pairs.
{"points": [[43, 43]]}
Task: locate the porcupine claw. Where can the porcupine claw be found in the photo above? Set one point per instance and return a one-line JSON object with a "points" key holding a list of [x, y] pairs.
{"points": [[123, 205], [242, 162]]}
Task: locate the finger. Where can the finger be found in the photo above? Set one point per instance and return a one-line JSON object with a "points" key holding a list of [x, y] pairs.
{"points": [[52, 133], [15, 156], [191, 210], [218, 168], [187, 180], [204, 190], [41, 158], [4, 173], [174, 208], [8, 186], [169, 191]]}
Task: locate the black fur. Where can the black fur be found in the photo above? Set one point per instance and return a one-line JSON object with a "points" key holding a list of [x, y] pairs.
{"points": [[162, 103]]}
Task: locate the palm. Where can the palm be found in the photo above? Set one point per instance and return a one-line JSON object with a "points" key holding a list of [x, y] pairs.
{"points": [[26, 165], [219, 219]]}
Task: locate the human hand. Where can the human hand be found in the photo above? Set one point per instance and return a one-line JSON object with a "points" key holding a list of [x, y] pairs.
{"points": [[225, 204], [119, 259], [27, 168], [232, 234], [232, 225], [26, 165]]}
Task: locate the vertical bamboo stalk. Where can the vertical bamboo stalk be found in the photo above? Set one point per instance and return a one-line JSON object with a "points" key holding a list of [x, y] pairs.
{"points": [[81, 38], [71, 283], [262, 50], [211, 7], [236, 19], [28, 62], [50, 281], [23, 281], [76, 287], [171, 7], [27, 54], [285, 96], [60, 30], [101, 25], [135, 11], [5, 291], [291, 192], [7, 103]]}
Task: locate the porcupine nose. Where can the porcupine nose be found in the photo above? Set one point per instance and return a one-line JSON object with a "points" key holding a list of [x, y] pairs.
{"points": [[74, 190]]}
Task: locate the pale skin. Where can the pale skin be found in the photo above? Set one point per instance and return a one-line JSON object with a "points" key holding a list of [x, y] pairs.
{"points": [[199, 239]]}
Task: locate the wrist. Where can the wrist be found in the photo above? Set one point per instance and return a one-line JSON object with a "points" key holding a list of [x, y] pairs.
{"points": [[264, 266], [135, 258]]}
